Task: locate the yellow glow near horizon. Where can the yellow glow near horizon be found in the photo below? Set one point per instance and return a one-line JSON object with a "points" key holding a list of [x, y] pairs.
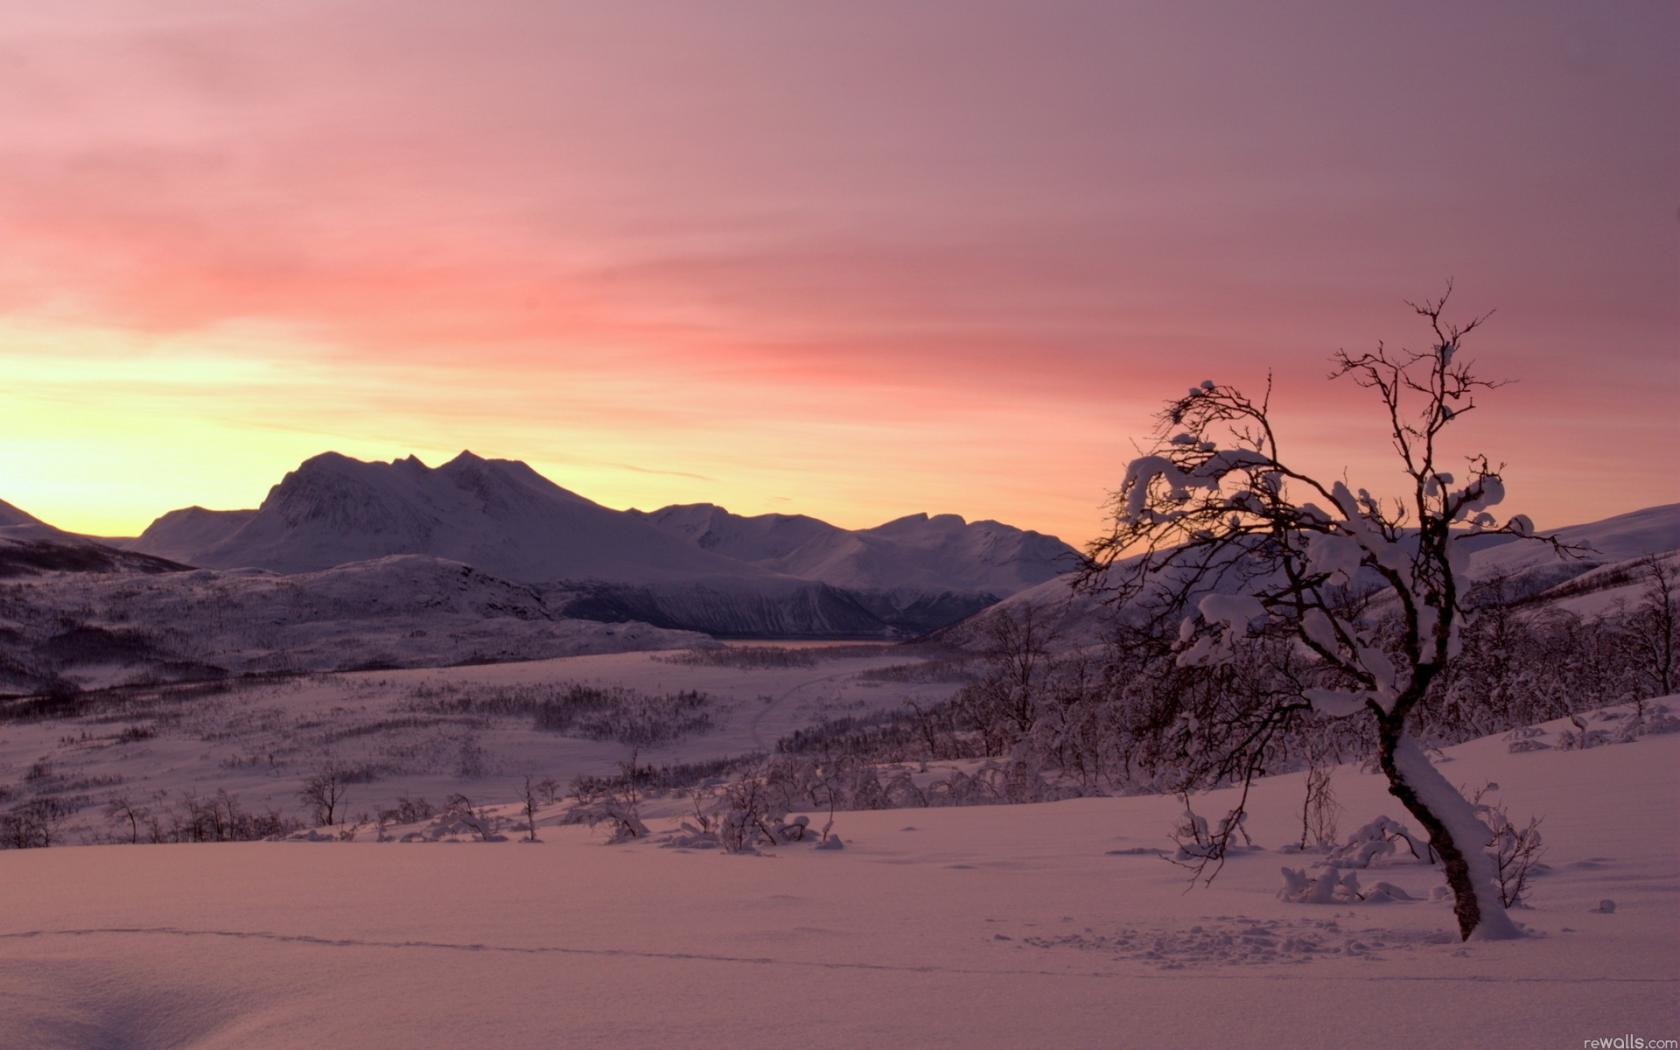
{"points": [[104, 437], [692, 255]]}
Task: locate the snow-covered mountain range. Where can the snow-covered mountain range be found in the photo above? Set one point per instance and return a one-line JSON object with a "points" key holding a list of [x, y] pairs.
{"points": [[694, 567], [505, 518], [496, 515], [918, 552]]}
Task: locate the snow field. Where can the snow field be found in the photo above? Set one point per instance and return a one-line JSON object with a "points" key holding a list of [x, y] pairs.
{"points": [[1046, 925]]}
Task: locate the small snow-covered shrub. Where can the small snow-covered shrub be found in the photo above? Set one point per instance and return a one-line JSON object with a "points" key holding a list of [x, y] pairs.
{"points": [[748, 815], [1515, 850], [621, 817], [460, 818], [1197, 847], [614, 802], [1377, 840], [1335, 887], [408, 811], [1582, 737]]}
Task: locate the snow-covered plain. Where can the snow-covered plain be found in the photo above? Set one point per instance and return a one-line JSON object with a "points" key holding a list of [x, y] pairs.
{"points": [[1057, 924], [1042, 925], [259, 739]]}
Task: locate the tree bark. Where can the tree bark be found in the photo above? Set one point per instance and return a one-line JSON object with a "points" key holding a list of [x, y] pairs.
{"points": [[1417, 784]]}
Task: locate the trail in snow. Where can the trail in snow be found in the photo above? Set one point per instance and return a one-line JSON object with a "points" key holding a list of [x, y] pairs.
{"points": [[815, 964], [757, 726]]}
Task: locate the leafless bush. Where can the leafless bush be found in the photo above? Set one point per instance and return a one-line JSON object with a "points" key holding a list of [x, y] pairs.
{"points": [[34, 824], [1319, 807], [594, 712], [615, 803], [481, 822], [640, 720], [408, 811], [202, 818], [1516, 851]]}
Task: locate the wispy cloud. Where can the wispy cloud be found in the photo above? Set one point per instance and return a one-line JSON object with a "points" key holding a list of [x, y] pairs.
{"points": [[601, 238]]}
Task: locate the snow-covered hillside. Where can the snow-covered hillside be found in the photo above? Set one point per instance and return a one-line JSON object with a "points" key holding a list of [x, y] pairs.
{"points": [[183, 535], [918, 552], [1039, 925], [1530, 567], [420, 732], [101, 628], [33, 550], [761, 607], [10, 515], [1608, 551], [30, 547]]}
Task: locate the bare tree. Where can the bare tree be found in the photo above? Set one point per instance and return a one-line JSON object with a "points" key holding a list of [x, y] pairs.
{"points": [[1319, 806], [1656, 623], [120, 810], [549, 788], [1003, 706], [530, 811], [324, 793], [1217, 523]]}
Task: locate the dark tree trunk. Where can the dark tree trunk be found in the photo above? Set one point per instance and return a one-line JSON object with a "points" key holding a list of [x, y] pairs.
{"points": [[1465, 906]]}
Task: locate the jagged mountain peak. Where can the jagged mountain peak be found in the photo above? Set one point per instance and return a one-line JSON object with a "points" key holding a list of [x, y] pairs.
{"points": [[497, 514]]}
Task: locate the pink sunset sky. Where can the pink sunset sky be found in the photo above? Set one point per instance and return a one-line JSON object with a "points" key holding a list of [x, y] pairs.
{"points": [[853, 260]]}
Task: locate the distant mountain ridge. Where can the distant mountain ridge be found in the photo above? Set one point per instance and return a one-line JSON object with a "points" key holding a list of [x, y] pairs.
{"points": [[31, 547], [694, 566], [496, 515], [917, 552]]}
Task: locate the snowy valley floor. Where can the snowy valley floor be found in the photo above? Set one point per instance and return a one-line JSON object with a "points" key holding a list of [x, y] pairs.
{"points": [[1026, 926]]}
